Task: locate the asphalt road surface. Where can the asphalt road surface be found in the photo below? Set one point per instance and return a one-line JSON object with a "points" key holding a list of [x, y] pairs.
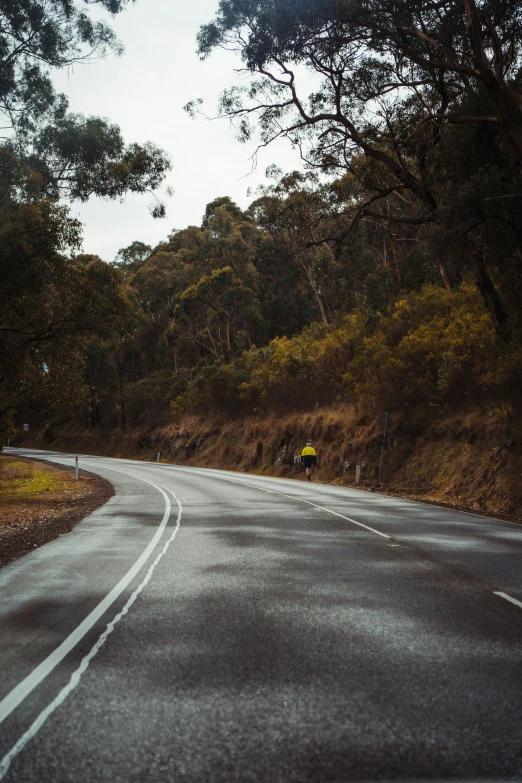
{"points": [[205, 625]]}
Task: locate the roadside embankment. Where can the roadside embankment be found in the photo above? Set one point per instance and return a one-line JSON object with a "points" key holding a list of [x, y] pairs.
{"points": [[39, 502], [470, 460]]}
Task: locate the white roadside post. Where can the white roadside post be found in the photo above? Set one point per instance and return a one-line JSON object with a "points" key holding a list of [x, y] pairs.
{"points": [[76, 468], [159, 455]]}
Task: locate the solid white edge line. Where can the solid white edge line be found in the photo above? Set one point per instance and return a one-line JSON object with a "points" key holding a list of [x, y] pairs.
{"points": [[37, 724], [371, 492], [29, 683], [350, 489], [509, 598]]}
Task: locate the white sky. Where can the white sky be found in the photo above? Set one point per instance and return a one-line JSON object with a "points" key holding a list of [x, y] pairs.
{"points": [[143, 91]]}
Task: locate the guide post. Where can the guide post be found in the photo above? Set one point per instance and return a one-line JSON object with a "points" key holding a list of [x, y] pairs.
{"points": [[76, 468]]}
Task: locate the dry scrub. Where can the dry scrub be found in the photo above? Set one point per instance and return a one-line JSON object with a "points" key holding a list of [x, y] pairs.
{"points": [[39, 502], [471, 460]]}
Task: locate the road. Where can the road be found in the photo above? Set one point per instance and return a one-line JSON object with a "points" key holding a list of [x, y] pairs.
{"points": [[206, 625]]}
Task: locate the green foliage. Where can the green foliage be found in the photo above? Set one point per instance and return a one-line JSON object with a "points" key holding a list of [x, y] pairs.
{"points": [[303, 371], [435, 348], [212, 388], [132, 257], [74, 156], [216, 314], [82, 156], [44, 324], [388, 274], [36, 35], [61, 315], [416, 112]]}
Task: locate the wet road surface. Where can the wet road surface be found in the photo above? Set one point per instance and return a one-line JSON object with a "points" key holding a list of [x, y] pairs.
{"points": [[212, 626]]}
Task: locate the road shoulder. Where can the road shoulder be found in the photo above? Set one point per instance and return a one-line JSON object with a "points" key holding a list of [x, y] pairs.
{"points": [[51, 503]]}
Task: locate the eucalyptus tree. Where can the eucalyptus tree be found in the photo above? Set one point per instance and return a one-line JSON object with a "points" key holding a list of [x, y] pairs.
{"points": [[216, 316], [37, 36], [394, 76], [295, 211], [74, 156], [49, 300]]}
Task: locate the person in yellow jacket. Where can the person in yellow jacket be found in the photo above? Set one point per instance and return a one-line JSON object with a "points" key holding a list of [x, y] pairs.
{"points": [[309, 458]]}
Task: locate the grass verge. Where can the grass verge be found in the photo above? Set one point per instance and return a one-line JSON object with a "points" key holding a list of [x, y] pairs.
{"points": [[39, 502]]}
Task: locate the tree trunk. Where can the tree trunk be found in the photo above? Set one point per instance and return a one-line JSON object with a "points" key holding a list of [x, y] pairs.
{"points": [[229, 347], [507, 100], [510, 116], [311, 279], [487, 289], [396, 264], [122, 398], [92, 407], [324, 317], [445, 278]]}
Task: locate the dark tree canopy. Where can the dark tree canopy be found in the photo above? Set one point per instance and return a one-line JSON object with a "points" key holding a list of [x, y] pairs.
{"points": [[53, 303], [76, 156], [397, 78], [36, 35], [387, 273]]}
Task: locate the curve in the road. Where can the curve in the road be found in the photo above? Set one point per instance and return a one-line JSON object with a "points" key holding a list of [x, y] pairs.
{"points": [[275, 642], [10, 702]]}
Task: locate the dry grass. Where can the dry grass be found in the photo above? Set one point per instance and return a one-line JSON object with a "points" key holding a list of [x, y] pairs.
{"points": [[470, 460], [22, 482], [39, 502]]}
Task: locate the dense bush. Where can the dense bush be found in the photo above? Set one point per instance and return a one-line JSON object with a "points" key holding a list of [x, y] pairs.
{"points": [[435, 348], [303, 371], [432, 349]]}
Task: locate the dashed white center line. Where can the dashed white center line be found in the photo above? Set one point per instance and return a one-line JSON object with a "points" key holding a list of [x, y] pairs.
{"points": [[309, 503]]}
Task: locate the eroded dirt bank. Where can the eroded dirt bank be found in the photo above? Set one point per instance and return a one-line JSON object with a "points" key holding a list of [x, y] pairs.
{"points": [[469, 460]]}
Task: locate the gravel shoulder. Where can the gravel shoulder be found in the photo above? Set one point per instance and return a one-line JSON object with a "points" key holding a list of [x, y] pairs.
{"points": [[39, 502]]}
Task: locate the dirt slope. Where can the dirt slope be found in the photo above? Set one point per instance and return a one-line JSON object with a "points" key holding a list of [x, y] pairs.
{"points": [[470, 460]]}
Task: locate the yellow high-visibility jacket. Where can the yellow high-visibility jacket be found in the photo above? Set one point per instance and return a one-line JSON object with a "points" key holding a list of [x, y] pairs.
{"points": [[308, 456]]}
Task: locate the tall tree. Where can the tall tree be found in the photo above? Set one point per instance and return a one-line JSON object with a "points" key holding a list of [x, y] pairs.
{"points": [[394, 76], [75, 156]]}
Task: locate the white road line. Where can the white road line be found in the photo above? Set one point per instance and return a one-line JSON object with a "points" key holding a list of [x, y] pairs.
{"points": [[371, 493], [273, 492], [29, 683], [309, 502], [37, 724], [509, 598]]}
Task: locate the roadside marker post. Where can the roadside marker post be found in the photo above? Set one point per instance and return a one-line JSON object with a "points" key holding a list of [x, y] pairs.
{"points": [[76, 468], [158, 457]]}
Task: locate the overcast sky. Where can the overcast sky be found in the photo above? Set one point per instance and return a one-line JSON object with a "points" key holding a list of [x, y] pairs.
{"points": [[143, 91]]}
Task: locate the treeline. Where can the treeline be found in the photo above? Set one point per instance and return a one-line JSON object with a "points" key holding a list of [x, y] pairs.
{"points": [[224, 319], [53, 302], [388, 273]]}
